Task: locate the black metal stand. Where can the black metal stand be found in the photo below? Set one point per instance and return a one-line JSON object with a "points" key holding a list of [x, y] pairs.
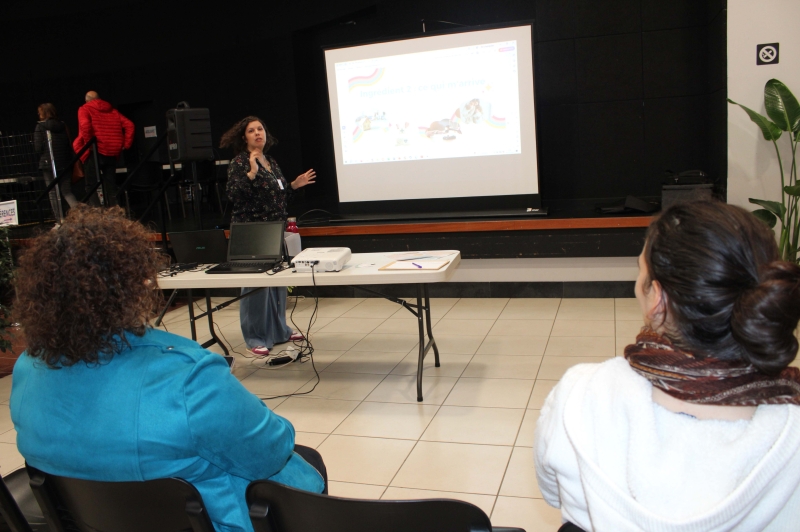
{"points": [[97, 176], [166, 307], [161, 207], [124, 186], [197, 195], [422, 311], [209, 314], [60, 175]]}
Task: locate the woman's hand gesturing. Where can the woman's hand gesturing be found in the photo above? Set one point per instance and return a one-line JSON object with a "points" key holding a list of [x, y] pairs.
{"points": [[304, 179]]}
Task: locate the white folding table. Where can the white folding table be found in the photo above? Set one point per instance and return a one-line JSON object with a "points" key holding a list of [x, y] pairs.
{"points": [[362, 269]]}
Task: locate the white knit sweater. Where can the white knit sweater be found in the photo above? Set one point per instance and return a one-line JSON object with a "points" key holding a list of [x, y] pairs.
{"points": [[614, 461]]}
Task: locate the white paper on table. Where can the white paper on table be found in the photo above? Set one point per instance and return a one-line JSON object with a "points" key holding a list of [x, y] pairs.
{"points": [[420, 265], [411, 255]]}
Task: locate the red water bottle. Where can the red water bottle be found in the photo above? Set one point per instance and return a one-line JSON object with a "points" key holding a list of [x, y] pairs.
{"points": [[291, 225]]}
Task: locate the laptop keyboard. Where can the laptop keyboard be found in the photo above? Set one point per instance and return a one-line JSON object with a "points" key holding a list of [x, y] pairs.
{"points": [[239, 264]]}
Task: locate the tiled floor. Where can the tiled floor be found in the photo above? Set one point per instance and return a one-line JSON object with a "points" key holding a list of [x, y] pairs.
{"points": [[472, 436]]}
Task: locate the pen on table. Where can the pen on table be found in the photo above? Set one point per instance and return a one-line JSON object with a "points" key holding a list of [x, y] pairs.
{"points": [[417, 265]]}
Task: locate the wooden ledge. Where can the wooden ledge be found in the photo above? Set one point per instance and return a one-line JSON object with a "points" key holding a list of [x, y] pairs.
{"points": [[479, 226], [541, 224]]}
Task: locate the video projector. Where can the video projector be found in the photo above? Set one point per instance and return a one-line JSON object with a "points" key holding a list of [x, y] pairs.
{"points": [[322, 259]]}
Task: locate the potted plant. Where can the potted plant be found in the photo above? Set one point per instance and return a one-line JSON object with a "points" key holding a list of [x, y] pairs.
{"points": [[784, 112]]}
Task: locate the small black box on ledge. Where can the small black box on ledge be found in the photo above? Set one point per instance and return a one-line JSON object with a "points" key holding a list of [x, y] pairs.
{"points": [[691, 185]]}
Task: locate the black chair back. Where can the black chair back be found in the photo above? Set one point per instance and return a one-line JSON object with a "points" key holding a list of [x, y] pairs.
{"points": [[12, 515], [161, 505], [277, 508], [569, 527]]}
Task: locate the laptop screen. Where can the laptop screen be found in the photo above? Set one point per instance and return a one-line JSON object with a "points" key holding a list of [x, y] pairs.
{"points": [[203, 247], [256, 241]]}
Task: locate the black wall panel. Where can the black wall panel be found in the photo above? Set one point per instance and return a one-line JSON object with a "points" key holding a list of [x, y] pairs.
{"points": [[622, 242], [555, 20], [674, 137], [609, 68], [675, 62], [625, 88], [556, 77], [607, 17], [661, 15], [559, 133], [717, 63], [610, 149]]}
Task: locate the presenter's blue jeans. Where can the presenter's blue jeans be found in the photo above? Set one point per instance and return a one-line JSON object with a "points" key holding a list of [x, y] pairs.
{"points": [[263, 317]]}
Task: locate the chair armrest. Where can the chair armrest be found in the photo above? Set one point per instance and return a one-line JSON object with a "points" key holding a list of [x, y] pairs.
{"points": [[507, 529]]}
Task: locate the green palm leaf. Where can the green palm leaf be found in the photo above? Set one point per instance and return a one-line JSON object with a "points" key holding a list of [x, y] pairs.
{"points": [[778, 209], [768, 129], [782, 106], [765, 216]]}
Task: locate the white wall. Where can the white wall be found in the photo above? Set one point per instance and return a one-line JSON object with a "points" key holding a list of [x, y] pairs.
{"points": [[752, 164]]}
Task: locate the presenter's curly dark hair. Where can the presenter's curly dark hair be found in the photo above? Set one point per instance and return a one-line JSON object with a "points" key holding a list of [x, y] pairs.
{"points": [[234, 137], [80, 286]]}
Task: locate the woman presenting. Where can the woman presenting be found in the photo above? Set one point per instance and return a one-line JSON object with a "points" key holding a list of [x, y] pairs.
{"points": [[260, 193]]}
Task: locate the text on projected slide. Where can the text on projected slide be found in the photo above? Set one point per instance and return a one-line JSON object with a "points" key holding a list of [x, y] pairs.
{"points": [[458, 102]]}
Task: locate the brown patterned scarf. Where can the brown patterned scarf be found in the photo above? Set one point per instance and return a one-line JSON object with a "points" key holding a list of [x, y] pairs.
{"points": [[709, 381]]}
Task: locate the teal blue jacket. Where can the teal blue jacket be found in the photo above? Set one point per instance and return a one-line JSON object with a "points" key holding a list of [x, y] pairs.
{"points": [[165, 407]]}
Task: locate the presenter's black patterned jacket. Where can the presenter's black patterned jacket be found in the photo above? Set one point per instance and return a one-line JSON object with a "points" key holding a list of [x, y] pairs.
{"points": [[264, 199]]}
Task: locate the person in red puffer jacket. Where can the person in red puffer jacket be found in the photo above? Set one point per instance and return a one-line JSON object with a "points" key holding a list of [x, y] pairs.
{"points": [[114, 132]]}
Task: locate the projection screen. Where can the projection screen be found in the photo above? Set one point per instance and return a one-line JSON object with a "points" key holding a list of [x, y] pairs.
{"points": [[445, 116]]}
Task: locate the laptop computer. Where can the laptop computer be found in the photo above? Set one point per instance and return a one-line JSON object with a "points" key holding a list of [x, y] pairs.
{"points": [[202, 247], [253, 248]]}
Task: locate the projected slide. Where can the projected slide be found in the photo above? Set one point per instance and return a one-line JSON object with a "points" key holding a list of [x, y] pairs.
{"points": [[434, 116], [454, 102]]}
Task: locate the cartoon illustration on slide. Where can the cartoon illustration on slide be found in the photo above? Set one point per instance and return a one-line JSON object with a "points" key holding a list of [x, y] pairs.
{"points": [[375, 121], [471, 112], [495, 122], [443, 127], [402, 135], [392, 123], [435, 104], [476, 111]]}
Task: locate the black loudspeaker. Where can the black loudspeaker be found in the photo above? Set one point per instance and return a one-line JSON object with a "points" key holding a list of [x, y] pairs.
{"points": [[189, 135]]}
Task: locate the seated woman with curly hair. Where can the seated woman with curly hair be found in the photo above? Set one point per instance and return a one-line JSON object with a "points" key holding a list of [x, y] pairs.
{"points": [[100, 395]]}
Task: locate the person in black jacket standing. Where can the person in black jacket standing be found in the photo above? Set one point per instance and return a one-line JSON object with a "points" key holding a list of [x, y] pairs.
{"points": [[62, 152]]}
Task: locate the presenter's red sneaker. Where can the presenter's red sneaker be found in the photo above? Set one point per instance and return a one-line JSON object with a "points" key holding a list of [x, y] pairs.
{"points": [[296, 336], [260, 351]]}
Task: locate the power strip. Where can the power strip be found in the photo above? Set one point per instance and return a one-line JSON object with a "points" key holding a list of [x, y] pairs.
{"points": [[280, 360]]}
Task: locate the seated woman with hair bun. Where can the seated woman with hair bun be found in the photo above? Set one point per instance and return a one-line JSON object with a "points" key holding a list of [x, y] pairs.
{"points": [[100, 395], [697, 428]]}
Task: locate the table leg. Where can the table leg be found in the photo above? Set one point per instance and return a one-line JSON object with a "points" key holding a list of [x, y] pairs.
{"points": [[214, 338], [423, 315], [191, 314], [166, 308], [428, 323], [422, 346]]}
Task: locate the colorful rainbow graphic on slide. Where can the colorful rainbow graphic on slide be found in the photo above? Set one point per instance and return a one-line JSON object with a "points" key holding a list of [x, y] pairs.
{"points": [[495, 121], [357, 132], [365, 81]]}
